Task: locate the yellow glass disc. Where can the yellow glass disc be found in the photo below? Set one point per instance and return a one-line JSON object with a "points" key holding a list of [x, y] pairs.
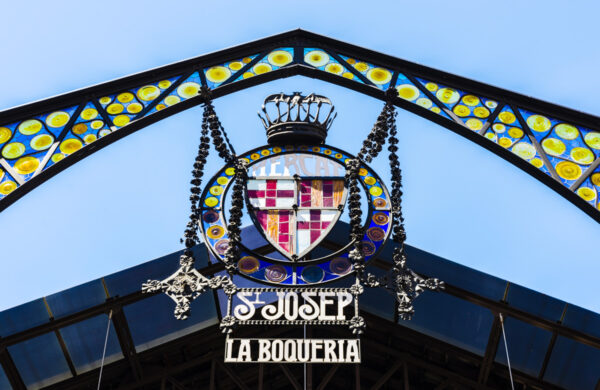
{"points": [[351, 61], [316, 58], [447, 95], [230, 171], [431, 87], [41, 142], [104, 132], [276, 149], [187, 90], [30, 126], [348, 75], [362, 172], [125, 97], [211, 201], [334, 68], [379, 76], [1, 174], [582, 155], [27, 165], [490, 136], [596, 179], [236, 65], [222, 180], [280, 58], [470, 100], [568, 170], [424, 102], [491, 104], [134, 108], [586, 193], [593, 140], [507, 117], [171, 100], [536, 162], [255, 156], [57, 157], [361, 66], [436, 110], [115, 108], [148, 92], [524, 150], [218, 74], [505, 142], [97, 124], [13, 150], [481, 112], [247, 60], [215, 232], [57, 119], [498, 127], [370, 180], [79, 128], [7, 187], [554, 146], [164, 84], [474, 124], [88, 139], [121, 120], [261, 68], [316, 149], [70, 145], [565, 131], [89, 113], [327, 151], [375, 191], [216, 190], [160, 107], [105, 100], [409, 92], [515, 132], [461, 110], [265, 152], [538, 123], [5, 134]]}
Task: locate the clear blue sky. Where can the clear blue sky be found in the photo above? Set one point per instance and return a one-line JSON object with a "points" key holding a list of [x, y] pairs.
{"points": [[128, 203]]}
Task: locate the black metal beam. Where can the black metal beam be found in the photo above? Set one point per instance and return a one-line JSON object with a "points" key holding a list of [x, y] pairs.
{"points": [[11, 371], [126, 342]]}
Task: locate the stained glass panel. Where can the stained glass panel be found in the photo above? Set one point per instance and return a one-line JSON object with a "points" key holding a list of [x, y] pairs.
{"points": [[189, 88], [218, 74], [274, 60], [321, 60], [379, 76]]}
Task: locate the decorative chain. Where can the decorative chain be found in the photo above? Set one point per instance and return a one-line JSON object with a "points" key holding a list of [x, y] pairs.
{"points": [[401, 280]]}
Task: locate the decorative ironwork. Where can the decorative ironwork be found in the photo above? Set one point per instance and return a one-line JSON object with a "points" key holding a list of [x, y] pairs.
{"points": [[560, 147]]}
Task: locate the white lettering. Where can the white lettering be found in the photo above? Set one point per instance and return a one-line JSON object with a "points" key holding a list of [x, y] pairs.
{"points": [[344, 299], [264, 354], [316, 346], [326, 299], [244, 353], [329, 355], [277, 350], [352, 354]]}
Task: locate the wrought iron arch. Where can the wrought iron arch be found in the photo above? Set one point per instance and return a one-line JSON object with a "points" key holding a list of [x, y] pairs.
{"points": [[557, 145]]}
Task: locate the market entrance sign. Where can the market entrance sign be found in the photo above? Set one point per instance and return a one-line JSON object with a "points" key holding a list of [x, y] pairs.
{"points": [[295, 190]]}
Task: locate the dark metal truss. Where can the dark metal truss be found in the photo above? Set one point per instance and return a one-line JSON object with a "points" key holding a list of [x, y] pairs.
{"points": [[298, 40], [394, 342]]}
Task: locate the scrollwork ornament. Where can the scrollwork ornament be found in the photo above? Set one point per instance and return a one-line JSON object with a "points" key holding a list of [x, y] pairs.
{"points": [[357, 325], [227, 324]]}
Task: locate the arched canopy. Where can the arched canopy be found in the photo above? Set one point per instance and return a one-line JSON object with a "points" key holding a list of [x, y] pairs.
{"points": [[556, 145]]}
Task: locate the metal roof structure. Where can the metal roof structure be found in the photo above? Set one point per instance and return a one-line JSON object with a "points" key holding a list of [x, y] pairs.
{"points": [[453, 341], [556, 145]]}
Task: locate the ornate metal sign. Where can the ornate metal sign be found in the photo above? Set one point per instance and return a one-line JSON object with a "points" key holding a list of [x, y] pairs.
{"points": [[295, 190]]}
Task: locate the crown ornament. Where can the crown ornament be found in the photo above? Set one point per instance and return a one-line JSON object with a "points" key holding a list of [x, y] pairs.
{"points": [[297, 119]]}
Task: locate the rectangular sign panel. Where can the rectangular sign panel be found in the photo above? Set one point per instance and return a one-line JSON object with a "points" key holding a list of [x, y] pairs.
{"points": [[292, 350]]}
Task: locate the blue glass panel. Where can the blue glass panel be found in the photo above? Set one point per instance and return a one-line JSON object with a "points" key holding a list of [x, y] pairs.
{"points": [[452, 320], [377, 300], [131, 279], [452, 273], [252, 238], [573, 365], [151, 320], [527, 346], [40, 361], [23, 317], [85, 342], [76, 298], [583, 320], [4, 383], [535, 303]]}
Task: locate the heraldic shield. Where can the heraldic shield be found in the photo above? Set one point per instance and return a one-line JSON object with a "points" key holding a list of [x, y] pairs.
{"points": [[295, 213]]}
